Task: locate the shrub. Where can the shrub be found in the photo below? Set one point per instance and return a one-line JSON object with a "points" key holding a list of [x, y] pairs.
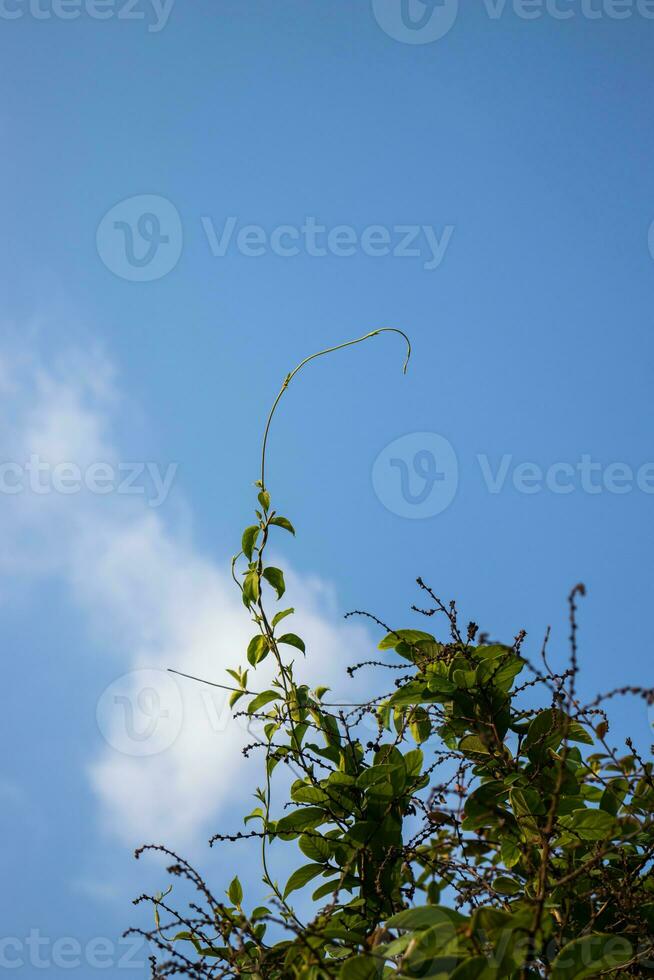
{"points": [[486, 829]]}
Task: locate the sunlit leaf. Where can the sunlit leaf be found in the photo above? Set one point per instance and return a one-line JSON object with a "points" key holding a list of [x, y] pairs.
{"points": [[302, 876], [275, 577], [283, 522], [250, 535], [235, 892], [262, 699], [292, 640]]}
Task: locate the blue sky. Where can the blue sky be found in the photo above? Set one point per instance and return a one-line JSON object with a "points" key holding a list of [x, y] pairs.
{"points": [[514, 156]]}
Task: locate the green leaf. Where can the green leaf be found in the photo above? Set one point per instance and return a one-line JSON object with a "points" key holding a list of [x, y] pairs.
{"points": [[373, 775], [544, 732], [277, 618], [302, 876], [527, 807], [257, 814], [202, 950], [233, 698], [465, 679], [510, 852], [613, 796], [259, 912], [316, 848], [590, 824], [420, 725], [476, 968], [305, 793], [264, 499], [397, 946], [492, 651], [499, 671], [423, 917], [427, 954], [341, 778], [258, 648], [474, 745], [283, 522], [251, 587], [328, 888], [235, 891], [506, 886], [299, 820], [158, 898], [548, 729], [250, 535], [293, 641], [577, 733], [413, 761], [361, 968], [275, 577], [392, 640], [493, 922], [590, 955], [262, 699], [407, 695]]}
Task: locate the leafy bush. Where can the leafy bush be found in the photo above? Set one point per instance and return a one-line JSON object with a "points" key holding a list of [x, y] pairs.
{"points": [[474, 835]]}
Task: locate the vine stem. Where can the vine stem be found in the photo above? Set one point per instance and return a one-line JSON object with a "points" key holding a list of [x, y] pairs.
{"points": [[247, 691], [312, 357]]}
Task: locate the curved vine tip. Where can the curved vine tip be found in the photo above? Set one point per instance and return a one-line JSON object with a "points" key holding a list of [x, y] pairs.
{"points": [[402, 334], [312, 357]]}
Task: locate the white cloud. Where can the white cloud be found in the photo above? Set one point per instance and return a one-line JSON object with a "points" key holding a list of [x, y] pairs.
{"points": [[172, 762]]}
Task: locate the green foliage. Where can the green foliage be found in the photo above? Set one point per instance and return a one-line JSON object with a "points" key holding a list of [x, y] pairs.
{"points": [[472, 836]]}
